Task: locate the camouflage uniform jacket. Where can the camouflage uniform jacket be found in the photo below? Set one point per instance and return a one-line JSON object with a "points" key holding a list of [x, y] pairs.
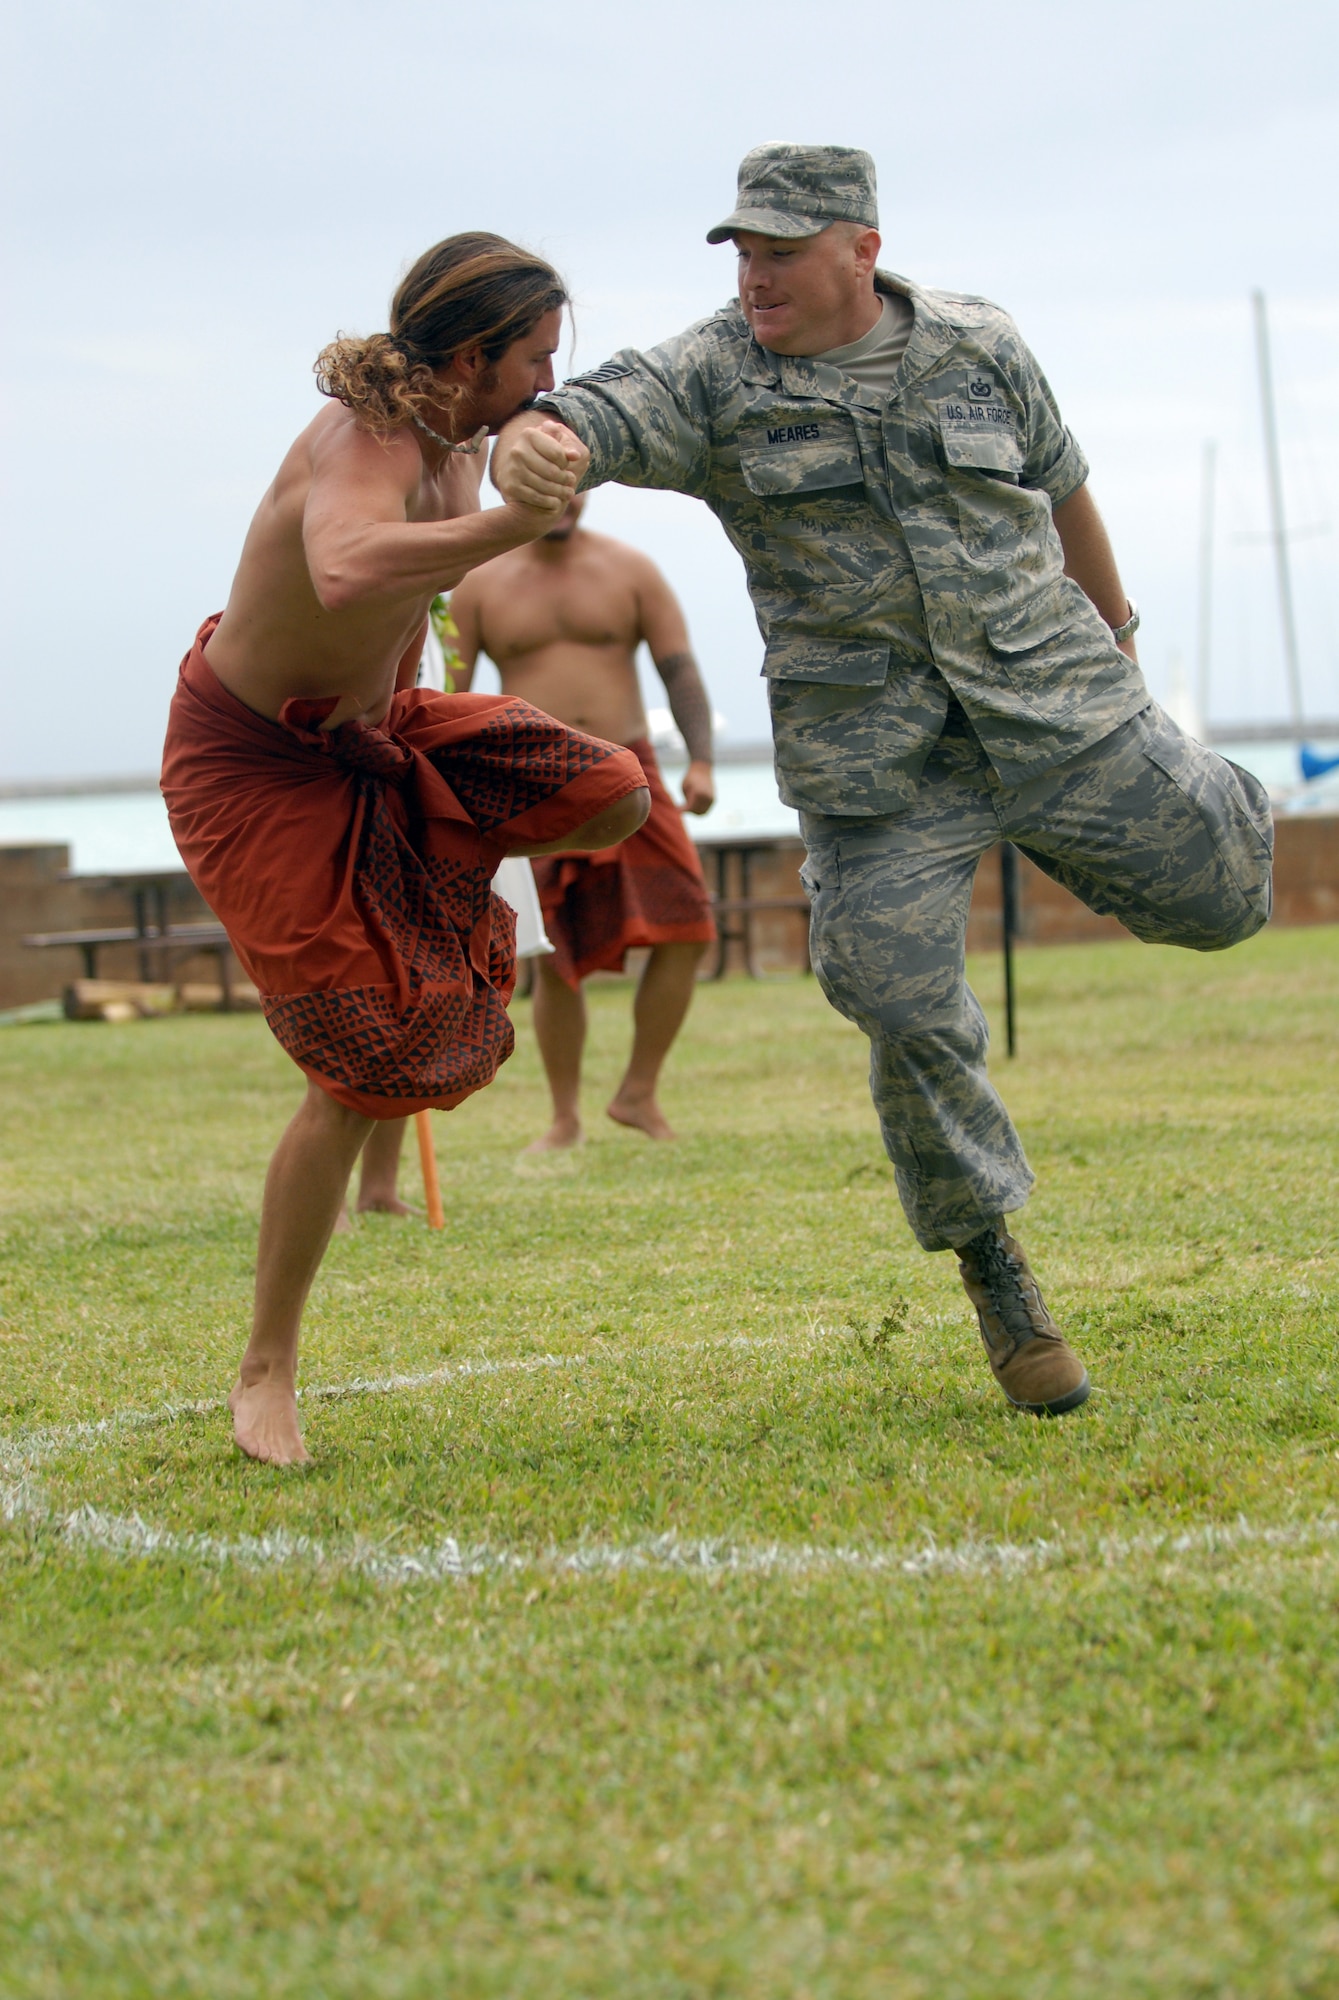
{"points": [[896, 548]]}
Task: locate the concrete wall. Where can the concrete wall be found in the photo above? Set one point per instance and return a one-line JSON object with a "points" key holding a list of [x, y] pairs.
{"points": [[1306, 869], [37, 895], [1306, 891]]}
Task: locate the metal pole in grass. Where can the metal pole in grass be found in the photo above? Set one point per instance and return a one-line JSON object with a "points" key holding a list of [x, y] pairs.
{"points": [[427, 1159], [1009, 920]]}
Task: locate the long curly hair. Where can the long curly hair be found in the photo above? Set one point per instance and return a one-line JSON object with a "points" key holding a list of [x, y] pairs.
{"points": [[471, 290]]}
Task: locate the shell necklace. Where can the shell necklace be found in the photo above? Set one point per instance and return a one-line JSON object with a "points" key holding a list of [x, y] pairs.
{"points": [[475, 445]]}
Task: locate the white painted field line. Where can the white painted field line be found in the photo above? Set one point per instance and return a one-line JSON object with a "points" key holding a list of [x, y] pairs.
{"points": [[23, 1453], [450, 1371], [24, 1450], [129, 1536]]}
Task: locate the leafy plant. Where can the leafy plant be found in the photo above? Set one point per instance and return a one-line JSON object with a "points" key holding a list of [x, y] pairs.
{"points": [[448, 633]]}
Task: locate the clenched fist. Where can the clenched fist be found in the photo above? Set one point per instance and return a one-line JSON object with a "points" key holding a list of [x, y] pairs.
{"points": [[537, 463]]}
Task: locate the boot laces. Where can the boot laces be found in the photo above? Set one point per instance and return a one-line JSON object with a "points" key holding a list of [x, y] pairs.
{"points": [[1007, 1283]]}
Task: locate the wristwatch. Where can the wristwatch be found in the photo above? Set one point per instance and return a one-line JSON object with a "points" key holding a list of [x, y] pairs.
{"points": [[1120, 633]]}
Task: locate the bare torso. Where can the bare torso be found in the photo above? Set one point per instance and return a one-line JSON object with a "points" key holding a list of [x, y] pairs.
{"points": [[562, 621], [277, 639]]}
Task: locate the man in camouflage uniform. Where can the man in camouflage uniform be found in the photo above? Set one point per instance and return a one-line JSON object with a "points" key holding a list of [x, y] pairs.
{"points": [[949, 661]]}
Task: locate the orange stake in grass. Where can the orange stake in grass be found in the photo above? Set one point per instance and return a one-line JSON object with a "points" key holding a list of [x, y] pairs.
{"points": [[427, 1156]]}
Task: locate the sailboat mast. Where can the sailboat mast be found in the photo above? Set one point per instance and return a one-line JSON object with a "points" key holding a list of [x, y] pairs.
{"points": [[1278, 526], [1204, 636]]}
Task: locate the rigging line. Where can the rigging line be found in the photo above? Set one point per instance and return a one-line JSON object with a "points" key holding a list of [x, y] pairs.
{"points": [[1204, 635], [1279, 525]]}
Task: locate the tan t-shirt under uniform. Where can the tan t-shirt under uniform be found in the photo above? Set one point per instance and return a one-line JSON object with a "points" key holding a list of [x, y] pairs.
{"points": [[872, 361]]}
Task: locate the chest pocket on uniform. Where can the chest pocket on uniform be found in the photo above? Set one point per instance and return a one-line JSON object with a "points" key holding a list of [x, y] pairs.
{"points": [[980, 437], [800, 452]]}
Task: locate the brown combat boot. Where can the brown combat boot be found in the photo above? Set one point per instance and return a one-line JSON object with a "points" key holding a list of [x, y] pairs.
{"points": [[1031, 1360]]}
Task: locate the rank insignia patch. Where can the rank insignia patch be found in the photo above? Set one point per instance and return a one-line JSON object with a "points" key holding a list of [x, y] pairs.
{"points": [[608, 371]]}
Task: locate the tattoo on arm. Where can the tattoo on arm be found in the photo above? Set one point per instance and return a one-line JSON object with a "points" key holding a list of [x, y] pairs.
{"points": [[688, 704]]}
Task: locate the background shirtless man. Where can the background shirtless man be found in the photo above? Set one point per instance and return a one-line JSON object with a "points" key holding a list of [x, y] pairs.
{"points": [[343, 825], [562, 619]]}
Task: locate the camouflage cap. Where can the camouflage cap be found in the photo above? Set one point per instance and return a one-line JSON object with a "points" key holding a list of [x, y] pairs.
{"points": [[799, 190]]}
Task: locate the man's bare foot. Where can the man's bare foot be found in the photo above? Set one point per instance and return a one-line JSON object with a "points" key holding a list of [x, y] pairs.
{"points": [[562, 1133], [265, 1422], [644, 1114], [384, 1204]]}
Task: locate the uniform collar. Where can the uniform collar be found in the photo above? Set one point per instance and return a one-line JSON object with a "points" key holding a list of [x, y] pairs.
{"points": [[930, 339], [931, 334]]}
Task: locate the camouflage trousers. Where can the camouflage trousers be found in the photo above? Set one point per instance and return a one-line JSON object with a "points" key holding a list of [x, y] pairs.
{"points": [[1147, 826]]}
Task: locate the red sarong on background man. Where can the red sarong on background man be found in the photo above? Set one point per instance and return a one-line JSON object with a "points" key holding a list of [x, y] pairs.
{"points": [[351, 869], [648, 890]]}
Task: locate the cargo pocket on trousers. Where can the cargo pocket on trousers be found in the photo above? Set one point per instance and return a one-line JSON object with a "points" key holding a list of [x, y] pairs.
{"points": [[829, 933], [1232, 804]]}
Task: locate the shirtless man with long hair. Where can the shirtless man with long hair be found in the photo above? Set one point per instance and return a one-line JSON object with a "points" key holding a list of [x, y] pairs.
{"points": [[344, 825]]}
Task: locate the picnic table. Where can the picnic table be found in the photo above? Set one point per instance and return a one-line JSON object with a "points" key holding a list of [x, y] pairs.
{"points": [[735, 913], [161, 945]]}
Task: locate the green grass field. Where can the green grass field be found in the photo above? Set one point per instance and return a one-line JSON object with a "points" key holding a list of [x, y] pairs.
{"points": [[674, 1607]]}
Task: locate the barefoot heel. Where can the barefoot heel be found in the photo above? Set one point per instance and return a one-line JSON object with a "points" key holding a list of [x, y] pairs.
{"points": [[427, 1157]]}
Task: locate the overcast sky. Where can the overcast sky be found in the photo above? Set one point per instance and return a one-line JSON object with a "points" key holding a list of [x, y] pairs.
{"points": [[201, 194]]}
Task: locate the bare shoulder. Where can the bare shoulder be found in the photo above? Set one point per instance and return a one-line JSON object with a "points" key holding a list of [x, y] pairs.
{"points": [[621, 559], [336, 444]]}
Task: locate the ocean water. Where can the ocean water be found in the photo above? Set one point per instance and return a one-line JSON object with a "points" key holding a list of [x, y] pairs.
{"points": [[123, 833], [116, 833], [126, 833]]}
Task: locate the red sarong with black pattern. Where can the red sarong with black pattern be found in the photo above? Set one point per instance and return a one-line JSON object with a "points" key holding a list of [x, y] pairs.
{"points": [[351, 869], [648, 890]]}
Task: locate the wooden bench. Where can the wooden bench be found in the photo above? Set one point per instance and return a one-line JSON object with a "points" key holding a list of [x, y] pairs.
{"points": [[745, 906], [171, 945], [160, 944], [174, 941]]}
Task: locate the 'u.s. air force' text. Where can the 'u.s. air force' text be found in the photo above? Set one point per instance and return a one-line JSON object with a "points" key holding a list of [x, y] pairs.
{"points": [[975, 413]]}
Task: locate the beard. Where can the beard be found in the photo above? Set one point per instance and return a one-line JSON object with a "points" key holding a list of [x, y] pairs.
{"points": [[486, 389], [526, 403]]}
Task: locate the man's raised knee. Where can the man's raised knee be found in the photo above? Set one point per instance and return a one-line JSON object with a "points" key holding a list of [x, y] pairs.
{"points": [[1250, 918]]}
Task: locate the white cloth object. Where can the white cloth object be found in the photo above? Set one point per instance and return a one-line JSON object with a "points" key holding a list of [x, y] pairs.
{"points": [[432, 667], [515, 884], [515, 879]]}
